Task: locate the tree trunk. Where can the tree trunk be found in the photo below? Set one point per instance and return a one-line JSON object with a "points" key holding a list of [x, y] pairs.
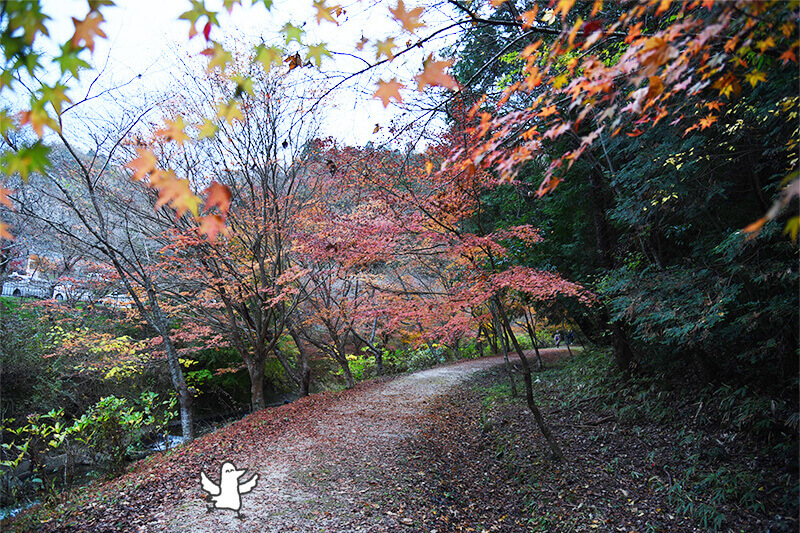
{"points": [[185, 397], [532, 334], [256, 365], [504, 349], [491, 338], [303, 381], [623, 354], [374, 350], [526, 372], [305, 387], [341, 358]]}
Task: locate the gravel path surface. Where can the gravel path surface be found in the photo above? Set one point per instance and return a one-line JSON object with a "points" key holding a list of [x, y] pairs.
{"points": [[327, 471]]}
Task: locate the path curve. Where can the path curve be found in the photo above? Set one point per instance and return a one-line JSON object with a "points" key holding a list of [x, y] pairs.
{"points": [[321, 477]]}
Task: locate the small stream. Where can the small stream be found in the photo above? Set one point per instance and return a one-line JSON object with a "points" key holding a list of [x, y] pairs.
{"points": [[8, 512]]}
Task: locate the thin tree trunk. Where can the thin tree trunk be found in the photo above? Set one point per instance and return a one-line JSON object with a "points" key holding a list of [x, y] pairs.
{"points": [[341, 358], [185, 397], [532, 334], [504, 348], [623, 354], [526, 372], [374, 350], [303, 381]]}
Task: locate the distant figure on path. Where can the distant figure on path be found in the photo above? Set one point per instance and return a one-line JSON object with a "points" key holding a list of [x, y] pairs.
{"points": [[557, 339], [570, 337]]}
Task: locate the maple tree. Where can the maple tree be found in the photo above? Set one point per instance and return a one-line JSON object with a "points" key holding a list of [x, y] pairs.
{"points": [[113, 220], [243, 281]]}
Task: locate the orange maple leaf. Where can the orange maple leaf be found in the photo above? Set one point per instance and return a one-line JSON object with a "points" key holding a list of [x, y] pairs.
{"points": [[433, 74], [218, 195], [173, 130], [409, 19], [87, 29], [144, 165], [4, 199], [563, 7], [211, 226], [728, 84], [4, 233], [324, 12], [788, 55], [529, 18], [388, 90], [38, 118], [176, 192], [547, 111], [707, 122]]}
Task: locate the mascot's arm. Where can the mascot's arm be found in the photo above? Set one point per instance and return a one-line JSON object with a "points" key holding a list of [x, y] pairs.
{"points": [[247, 486], [208, 485]]}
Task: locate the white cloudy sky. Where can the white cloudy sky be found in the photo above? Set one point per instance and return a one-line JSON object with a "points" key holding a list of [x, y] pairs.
{"points": [[145, 38]]}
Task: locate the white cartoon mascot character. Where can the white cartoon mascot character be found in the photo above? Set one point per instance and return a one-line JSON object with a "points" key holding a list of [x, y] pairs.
{"points": [[227, 495]]}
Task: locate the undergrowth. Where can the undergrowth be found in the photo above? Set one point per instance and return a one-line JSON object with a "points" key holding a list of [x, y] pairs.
{"points": [[715, 457]]}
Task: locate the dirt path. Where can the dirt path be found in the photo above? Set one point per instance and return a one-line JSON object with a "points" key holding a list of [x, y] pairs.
{"points": [[326, 472]]}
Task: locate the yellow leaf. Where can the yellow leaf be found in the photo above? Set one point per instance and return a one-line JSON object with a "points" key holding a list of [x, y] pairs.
{"points": [[559, 81], [218, 57], [324, 12], [755, 76], [293, 33], [229, 112], [268, 56], [766, 44], [385, 48], [173, 130], [792, 228], [207, 129], [564, 7], [316, 51]]}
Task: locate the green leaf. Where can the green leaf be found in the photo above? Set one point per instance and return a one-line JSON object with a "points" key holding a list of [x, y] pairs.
{"points": [[293, 33], [316, 51], [27, 160], [269, 56], [69, 61], [29, 61], [56, 95]]}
